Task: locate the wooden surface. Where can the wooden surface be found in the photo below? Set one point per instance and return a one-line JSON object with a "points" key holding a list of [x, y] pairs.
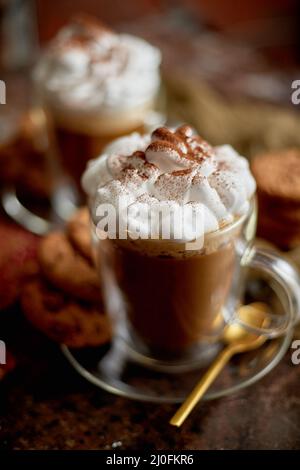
{"points": [[45, 404]]}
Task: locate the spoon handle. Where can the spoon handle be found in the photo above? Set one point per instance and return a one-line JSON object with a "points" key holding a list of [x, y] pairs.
{"points": [[201, 387]]}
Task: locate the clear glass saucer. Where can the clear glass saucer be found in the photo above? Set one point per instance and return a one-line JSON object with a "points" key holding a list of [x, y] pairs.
{"points": [[114, 369]]}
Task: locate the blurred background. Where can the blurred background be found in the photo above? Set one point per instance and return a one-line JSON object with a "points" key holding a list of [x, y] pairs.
{"points": [[227, 69]]}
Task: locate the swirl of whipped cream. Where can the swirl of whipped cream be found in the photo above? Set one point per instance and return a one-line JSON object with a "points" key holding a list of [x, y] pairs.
{"points": [[87, 66], [174, 167]]}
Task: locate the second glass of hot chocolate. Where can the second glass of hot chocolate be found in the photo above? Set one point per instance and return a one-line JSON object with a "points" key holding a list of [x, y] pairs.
{"points": [[95, 85]]}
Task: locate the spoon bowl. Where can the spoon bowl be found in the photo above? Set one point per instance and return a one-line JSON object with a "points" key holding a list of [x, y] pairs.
{"points": [[237, 339], [254, 315]]}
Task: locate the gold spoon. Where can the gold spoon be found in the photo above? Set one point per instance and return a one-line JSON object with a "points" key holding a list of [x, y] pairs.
{"points": [[238, 340]]}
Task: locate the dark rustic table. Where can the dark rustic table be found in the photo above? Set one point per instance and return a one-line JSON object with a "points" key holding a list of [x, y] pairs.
{"points": [[44, 404]]}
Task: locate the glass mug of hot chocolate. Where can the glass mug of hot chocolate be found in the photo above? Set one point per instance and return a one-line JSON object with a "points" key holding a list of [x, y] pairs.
{"points": [[170, 297], [95, 86]]}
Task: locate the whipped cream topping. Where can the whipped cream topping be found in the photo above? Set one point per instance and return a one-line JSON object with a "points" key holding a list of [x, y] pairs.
{"points": [[87, 66], [172, 167]]}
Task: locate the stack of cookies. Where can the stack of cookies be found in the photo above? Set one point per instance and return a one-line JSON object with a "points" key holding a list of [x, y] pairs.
{"points": [[278, 187], [63, 298]]}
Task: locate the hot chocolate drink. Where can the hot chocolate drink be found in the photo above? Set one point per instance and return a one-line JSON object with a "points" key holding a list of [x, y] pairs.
{"points": [[171, 292], [96, 85], [173, 299]]}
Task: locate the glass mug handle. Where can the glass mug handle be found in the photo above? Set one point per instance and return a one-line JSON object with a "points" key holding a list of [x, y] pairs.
{"points": [[282, 273]]}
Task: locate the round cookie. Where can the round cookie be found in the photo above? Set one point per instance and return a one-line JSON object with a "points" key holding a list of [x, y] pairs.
{"points": [[278, 174], [78, 231], [62, 319], [67, 269]]}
